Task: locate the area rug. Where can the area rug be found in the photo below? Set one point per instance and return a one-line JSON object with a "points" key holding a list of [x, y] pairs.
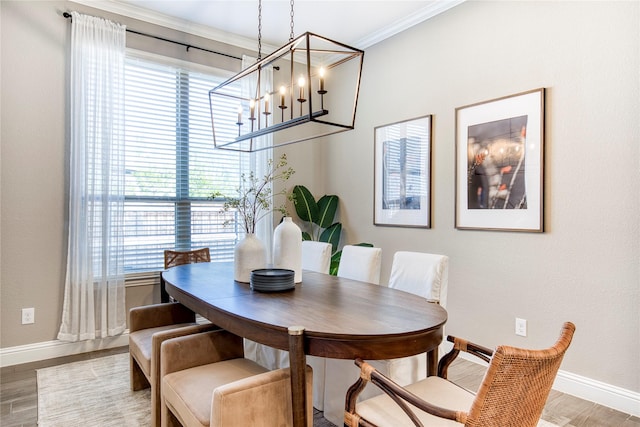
{"points": [[93, 392], [96, 393]]}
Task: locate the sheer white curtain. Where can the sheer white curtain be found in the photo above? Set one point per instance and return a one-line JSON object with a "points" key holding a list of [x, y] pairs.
{"points": [[259, 159], [94, 297]]}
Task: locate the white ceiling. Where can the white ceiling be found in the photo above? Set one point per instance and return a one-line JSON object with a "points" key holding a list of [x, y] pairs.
{"points": [[358, 23]]}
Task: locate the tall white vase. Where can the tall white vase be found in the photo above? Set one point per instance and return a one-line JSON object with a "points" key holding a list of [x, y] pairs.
{"points": [[287, 247], [249, 254]]}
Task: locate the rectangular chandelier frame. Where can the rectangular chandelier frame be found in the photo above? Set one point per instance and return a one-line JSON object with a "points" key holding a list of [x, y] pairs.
{"points": [[306, 89]]}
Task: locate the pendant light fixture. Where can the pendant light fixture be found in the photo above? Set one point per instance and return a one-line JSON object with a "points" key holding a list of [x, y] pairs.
{"points": [[304, 90]]}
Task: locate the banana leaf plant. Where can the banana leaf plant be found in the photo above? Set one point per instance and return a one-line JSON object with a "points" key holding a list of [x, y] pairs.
{"points": [[319, 217]]}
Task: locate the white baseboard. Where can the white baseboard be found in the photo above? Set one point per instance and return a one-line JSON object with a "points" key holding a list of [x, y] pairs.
{"points": [[51, 349], [608, 395], [617, 398]]}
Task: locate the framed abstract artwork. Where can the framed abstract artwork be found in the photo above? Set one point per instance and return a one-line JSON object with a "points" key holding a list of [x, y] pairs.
{"points": [[500, 164], [402, 176]]}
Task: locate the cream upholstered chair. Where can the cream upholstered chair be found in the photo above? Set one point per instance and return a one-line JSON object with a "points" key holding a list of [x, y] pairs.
{"points": [[360, 263], [422, 274], [150, 325], [316, 256], [425, 275], [206, 381], [513, 391]]}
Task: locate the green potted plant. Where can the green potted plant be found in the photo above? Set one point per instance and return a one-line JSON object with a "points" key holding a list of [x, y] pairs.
{"points": [[318, 217]]}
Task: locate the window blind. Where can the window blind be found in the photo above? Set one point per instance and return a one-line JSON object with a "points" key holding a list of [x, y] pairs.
{"points": [[172, 167]]}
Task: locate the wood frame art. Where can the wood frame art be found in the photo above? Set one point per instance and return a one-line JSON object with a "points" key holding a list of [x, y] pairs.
{"points": [[500, 164], [402, 173]]}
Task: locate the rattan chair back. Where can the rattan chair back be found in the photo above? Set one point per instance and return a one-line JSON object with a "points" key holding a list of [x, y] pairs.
{"points": [[513, 391], [517, 383], [174, 258]]}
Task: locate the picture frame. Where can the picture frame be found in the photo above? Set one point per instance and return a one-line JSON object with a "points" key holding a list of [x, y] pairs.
{"points": [[402, 173], [500, 164]]}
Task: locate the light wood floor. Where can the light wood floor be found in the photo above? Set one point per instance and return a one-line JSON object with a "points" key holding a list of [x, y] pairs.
{"points": [[19, 397]]}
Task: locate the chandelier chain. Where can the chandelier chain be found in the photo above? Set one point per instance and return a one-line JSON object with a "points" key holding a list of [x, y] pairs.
{"points": [[260, 30], [291, 24]]}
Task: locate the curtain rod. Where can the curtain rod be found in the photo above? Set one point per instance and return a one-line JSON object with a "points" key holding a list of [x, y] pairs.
{"points": [[188, 46]]}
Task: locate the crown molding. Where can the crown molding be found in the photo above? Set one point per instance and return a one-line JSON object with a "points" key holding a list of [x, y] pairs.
{"points": [[428, 12], [135, 12], [152, 17]]}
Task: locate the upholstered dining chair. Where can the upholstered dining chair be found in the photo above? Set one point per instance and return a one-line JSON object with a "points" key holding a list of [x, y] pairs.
{"points": [[206, 381], [316, 256], [360, 263], [419, 273], [513, 391], [150, 325], [425, 275]]}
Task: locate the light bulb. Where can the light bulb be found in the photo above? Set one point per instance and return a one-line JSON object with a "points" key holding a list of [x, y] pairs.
{"points": [[301, 83], [283, 92]]}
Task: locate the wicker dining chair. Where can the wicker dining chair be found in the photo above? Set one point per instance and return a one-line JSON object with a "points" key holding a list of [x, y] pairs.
{"points": [[512, 394], [175, 258]]}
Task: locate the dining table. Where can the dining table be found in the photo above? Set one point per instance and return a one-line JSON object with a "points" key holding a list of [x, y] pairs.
{"points": [[324, 315]]}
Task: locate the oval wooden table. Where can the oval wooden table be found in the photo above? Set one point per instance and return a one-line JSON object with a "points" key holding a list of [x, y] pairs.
{"points": [[324, 316]]}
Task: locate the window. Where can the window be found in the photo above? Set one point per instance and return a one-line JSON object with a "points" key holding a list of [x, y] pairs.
{"points": [[172, 166]]}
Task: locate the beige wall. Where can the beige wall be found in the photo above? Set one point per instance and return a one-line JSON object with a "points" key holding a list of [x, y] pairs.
{"points": [[33, 170], [34, 175], [584, 268]]}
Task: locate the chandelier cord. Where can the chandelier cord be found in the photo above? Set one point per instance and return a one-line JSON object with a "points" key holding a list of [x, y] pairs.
{"points": [[260, 29], [291, 24]]}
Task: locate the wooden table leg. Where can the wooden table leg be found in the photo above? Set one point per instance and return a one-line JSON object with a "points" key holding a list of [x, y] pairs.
{"points": [[297, 365], [432, 362]]}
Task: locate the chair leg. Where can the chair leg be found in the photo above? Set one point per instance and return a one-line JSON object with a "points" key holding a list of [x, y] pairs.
{"points": [[137, 380], [156, 408], [168, 418]]}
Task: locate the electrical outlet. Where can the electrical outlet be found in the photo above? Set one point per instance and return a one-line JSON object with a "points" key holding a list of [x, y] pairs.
{"points": [[521, 327], [28, 316]]}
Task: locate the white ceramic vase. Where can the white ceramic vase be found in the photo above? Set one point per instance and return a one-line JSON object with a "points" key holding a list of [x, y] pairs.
{"points": [[249, 254], [287, 247]]}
